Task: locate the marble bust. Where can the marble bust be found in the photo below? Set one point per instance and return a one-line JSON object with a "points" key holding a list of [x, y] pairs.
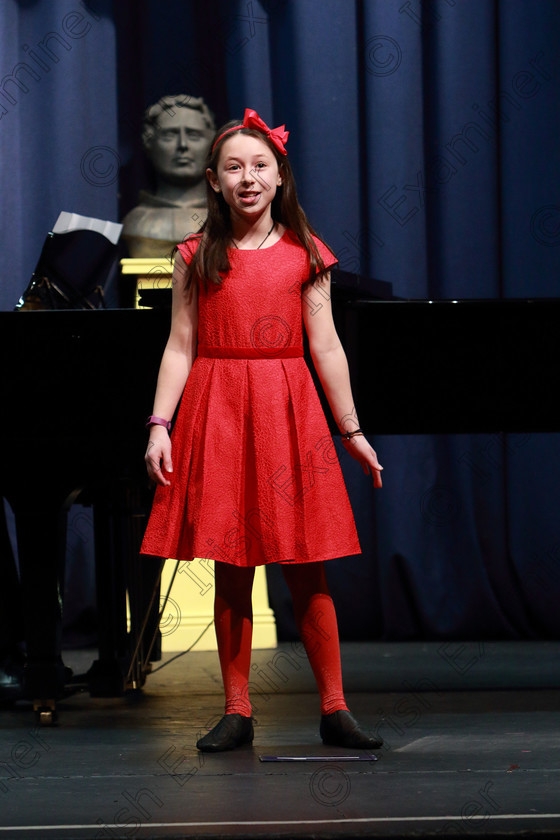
{"points": [[176, 136]]}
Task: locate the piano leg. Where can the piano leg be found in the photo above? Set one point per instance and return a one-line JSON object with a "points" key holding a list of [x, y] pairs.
{"points": [[105, 677], [11, 619], [41, 538], [124, 583]]}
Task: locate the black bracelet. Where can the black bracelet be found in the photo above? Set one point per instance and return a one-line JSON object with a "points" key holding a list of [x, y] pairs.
{"points": [[348, 435]]}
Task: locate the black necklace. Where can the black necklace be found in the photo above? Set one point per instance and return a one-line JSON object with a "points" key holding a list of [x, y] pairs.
{"points": [[262, 243]]}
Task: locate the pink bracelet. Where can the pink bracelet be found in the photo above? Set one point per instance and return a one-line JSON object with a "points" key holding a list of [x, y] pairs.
{"points": [[158, 421]]}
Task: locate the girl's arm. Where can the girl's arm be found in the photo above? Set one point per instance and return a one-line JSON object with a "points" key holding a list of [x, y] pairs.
{"points": [[176, 364], [331, 365]]}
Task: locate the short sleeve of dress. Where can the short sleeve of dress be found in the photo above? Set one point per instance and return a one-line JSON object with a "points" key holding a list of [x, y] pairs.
{"points": [[326, 254], [188, 248]]}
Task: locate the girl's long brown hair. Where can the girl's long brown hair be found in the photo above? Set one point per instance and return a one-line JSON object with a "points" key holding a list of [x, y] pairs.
{"points": [[210, 261]]}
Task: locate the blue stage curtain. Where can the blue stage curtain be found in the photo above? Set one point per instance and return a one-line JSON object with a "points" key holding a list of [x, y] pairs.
{"points": [[424, 139], [58, 131]]}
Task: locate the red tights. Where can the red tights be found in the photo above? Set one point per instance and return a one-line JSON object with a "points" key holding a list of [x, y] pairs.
{"points": [[315, 618]]}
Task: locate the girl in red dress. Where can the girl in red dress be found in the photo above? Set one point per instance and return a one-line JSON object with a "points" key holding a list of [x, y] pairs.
{"points": [[249, 474]]}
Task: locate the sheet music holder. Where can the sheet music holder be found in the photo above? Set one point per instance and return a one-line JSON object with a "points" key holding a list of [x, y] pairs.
{"points": [[77, 264]]}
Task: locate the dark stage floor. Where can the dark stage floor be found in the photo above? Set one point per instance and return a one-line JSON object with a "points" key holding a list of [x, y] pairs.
{"points": [[472, 749]]}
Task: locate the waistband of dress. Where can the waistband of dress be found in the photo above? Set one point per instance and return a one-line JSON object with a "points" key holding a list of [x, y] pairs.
{"points": [[207, 352]]}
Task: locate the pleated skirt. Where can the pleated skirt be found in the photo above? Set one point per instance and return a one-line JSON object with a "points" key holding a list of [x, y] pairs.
{"points": [[256, 478]]}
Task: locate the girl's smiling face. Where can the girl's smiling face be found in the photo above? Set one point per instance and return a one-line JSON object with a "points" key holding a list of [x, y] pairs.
{"points": [[247, 175]]}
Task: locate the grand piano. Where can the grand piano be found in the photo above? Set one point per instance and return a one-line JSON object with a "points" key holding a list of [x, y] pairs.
{"points": [[77, 385]]}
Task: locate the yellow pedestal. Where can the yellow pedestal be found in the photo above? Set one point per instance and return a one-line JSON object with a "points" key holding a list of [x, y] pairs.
{"points": [[151, 273], [188, 618]]}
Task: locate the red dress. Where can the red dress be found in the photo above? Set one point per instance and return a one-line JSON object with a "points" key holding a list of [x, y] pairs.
{"points": [[255, 474]]}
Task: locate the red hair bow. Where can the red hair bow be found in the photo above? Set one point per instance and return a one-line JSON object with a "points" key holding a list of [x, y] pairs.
{"points": [[277, 136]]}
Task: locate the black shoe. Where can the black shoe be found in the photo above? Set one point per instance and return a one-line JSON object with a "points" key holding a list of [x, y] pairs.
{"points": [[341, 729], [231, 732]]}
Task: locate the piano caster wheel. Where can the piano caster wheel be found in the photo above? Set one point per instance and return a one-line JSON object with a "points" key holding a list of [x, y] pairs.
{"points": [[45, 712]]}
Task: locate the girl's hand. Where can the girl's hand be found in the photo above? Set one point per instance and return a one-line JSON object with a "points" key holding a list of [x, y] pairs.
{"points": [[158, 456], [359, 448]]}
